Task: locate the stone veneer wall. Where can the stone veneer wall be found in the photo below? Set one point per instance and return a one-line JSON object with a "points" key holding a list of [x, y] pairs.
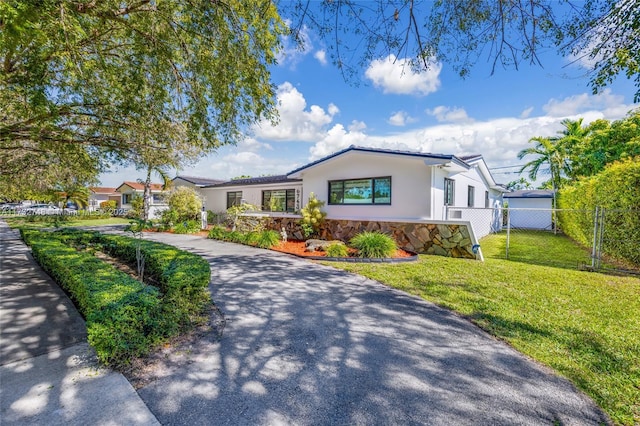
{"points": [[443, 239]]}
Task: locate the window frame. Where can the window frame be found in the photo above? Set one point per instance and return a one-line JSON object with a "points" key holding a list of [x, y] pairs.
{"points": [[487, 202], [236, 199], [373, 191], [289, 200], [126, 198], [449, 192], [471, 195]]}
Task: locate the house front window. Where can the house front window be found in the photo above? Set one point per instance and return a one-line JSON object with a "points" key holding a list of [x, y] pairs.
{"points": [[486, 199], [470, 196], [279, 200], [157, 198], [126, 198], [449, 185], [361, 191], [234, 198]]}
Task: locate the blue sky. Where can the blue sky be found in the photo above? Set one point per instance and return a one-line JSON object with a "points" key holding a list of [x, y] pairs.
{"points": [[391, 107]]}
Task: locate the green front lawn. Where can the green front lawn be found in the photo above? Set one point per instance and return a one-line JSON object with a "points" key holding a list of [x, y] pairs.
{"points": [[584, 325], [21, 221]]}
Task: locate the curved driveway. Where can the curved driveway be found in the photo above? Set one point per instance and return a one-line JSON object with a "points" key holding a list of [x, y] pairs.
{"points": [[307, 344]]}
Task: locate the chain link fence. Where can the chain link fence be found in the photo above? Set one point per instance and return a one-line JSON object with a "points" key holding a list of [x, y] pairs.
{"points": [[601, 239]]}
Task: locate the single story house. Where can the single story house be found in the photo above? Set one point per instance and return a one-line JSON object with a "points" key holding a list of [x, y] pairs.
{"points": [[372, 184], [128, 190], [530, 209], [98, 195]]}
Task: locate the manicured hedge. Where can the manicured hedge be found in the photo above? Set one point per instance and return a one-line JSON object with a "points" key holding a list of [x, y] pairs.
{"points": [[617, 190], [125, 318]]}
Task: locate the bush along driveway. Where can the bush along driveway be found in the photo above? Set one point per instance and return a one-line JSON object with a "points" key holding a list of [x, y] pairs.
{"points": [[309, 344]]}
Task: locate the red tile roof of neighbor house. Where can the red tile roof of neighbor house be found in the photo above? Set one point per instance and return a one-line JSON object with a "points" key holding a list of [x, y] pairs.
{"points": [[102, 190], [140, 186]]}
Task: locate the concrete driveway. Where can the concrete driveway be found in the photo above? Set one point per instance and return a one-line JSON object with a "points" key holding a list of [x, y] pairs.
{"points": [[307, 344]]}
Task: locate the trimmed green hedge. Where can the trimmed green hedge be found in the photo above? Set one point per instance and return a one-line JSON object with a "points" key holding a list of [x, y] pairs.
{"points": [[262, 239], [617, 190], [125, 318]]}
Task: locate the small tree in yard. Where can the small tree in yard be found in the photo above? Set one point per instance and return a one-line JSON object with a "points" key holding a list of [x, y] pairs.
{"points": [[185, 202], [136, 226], [312, 216]]}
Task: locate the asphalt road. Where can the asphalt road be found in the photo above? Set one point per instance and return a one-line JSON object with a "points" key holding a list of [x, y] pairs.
{"points": [[307, 344]]}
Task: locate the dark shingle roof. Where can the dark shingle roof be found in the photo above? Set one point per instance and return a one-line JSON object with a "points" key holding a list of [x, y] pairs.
{"points": [[199, 181], [384, 151], [256, 181]]}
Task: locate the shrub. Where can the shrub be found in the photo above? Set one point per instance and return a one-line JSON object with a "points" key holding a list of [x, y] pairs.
{"points": [[187, 227], [185, 203], [267, 239], [123, 323], [374, 244], [312, 216], [337, 250], [217, 232], [108, 205], [123, 315], [617, 189]]}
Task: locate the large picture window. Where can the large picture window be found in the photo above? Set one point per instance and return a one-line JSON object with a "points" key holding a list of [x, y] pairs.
{"points": [[449, 185], [360, 191], [280, 200], [234, 198]]}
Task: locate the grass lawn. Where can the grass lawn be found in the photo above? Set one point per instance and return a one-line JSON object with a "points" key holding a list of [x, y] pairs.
{"points": [[584, 325], [15, 222]]}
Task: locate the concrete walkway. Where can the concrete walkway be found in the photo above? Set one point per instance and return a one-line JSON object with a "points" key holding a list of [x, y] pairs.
{"points": [[307, 344], [48, 373]]}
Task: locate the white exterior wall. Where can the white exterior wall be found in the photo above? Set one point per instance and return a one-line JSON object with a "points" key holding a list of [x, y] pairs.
{"points": [[216, 198], [410, 185], [530, 219]]}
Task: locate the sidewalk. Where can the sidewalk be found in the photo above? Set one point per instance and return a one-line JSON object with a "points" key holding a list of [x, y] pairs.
{"points": [[48, 373]]}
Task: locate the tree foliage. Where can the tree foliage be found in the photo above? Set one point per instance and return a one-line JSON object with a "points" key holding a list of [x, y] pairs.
{"points": [[85, 83], [602, 33], [185, 203]]}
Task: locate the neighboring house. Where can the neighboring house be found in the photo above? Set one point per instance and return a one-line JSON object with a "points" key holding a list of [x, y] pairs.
{"points": [[98, 195], [530, 208], [128, 190], [272, 194]]}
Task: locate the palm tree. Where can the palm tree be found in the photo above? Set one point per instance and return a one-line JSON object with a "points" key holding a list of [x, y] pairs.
{"points": [[547, 152]]}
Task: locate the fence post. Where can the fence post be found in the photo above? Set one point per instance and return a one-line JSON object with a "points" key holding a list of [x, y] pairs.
{"points": [[595, 238], [508, 232]]}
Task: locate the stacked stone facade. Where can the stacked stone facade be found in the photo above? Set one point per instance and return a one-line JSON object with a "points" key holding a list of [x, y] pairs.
{"points": [[452, 240]]}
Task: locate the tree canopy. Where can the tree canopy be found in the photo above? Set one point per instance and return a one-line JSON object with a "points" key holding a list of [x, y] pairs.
{"points": [[602, 33], [86, 83]]}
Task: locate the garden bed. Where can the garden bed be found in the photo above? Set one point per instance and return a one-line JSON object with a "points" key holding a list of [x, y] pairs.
{"points": [[298, 248]]}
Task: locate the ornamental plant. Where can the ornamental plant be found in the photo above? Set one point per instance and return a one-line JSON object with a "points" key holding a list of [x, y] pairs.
{"points": [[374, 244], [312, 216], [337, 250]]}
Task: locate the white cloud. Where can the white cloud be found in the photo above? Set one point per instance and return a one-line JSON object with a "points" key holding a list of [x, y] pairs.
{"points": [[526, 113], [297, 123], [396, 76], [253, 145], [498, 140], [400, 118], [321, 56], [449, 115], [607, 103]]}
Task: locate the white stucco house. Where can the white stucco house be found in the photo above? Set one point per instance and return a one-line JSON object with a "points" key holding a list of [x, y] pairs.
{"points": [[128, 190], [360, 183], [530, 209], [99, 194]]}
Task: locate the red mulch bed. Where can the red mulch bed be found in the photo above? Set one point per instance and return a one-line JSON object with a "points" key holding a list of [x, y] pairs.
{"points": [[298, 248]]}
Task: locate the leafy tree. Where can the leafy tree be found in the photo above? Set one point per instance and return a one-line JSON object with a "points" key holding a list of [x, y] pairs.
{"points": [[508, 32], [84, 84], [548, 152], [521, 183]]}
